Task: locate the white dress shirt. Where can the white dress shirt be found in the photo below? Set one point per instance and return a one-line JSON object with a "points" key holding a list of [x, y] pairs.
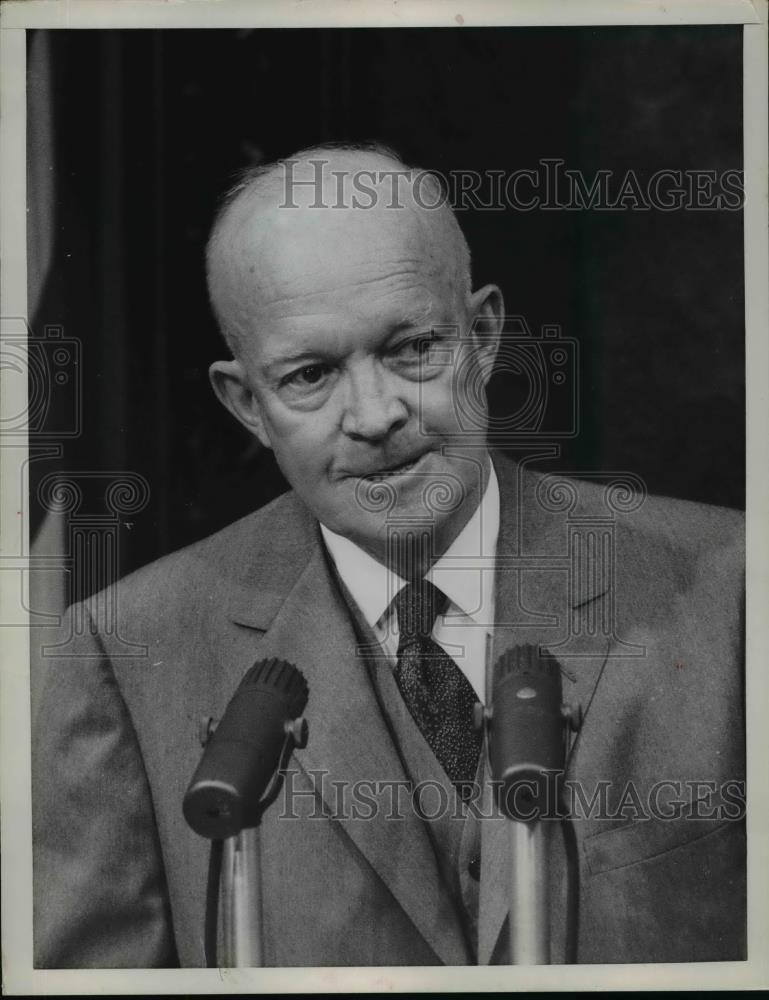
{"points": [[465, 574]]}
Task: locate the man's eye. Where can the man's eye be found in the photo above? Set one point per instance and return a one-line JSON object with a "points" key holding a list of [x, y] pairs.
{"points": [[307, 376], [417, 347]]}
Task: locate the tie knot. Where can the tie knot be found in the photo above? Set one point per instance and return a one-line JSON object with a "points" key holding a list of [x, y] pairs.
{"points": [[417, 606]]}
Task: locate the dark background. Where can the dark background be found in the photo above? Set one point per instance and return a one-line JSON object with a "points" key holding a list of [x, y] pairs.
{"points": [[147, 128]]}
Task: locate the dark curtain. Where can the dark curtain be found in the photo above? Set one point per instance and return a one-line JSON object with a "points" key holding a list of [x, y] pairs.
{"points": [[147, 128]]}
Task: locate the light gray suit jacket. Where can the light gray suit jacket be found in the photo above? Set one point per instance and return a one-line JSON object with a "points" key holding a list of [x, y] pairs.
{"points": [[641, 604]]}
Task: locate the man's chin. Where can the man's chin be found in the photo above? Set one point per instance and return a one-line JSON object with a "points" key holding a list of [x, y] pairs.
{"points": [[401, 496], [404, 532]]}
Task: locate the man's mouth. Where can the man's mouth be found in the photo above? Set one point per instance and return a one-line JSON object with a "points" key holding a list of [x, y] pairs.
{"points": [[394, 470]]}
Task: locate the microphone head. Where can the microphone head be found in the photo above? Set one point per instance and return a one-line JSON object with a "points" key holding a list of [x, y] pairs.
{"points": [[281, 679], [527, 659], [244, 752], [527, 742]]}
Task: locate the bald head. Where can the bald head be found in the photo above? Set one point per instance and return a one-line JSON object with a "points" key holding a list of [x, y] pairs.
{"points": [[319, 216]]}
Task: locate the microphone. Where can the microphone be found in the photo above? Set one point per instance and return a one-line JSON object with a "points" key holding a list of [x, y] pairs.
{"points": [[527, 731], [259, 728]]}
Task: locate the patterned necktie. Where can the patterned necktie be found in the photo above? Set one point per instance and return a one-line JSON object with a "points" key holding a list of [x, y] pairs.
{"points": [[435, 690]]}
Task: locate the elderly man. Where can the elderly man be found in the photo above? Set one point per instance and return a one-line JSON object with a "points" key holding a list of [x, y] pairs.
{"points": [[404, 557]]}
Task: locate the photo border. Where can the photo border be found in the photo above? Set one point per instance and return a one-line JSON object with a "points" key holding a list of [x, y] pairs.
{"points": [[18, 974]]}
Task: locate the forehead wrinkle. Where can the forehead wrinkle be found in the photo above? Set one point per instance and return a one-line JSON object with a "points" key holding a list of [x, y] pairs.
{"points": [[392, 281], [296, 323]]}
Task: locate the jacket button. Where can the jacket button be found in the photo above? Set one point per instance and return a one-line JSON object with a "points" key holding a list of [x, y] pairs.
{"points": [[474, 868]]}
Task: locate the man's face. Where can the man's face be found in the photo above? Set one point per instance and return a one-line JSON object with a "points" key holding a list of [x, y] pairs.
{"points": [[350, 347]]}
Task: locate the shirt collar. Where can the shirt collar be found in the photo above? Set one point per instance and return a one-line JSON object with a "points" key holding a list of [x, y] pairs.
{"points": [[373, 585]]}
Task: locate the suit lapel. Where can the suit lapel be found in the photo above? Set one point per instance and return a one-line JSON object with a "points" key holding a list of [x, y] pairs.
{"points": [[349, 741]]}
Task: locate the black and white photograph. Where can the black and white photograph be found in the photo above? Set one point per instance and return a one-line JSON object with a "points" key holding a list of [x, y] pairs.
{"points": [[376, 428]]}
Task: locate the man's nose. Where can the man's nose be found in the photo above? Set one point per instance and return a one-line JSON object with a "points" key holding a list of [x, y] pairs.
{"points": [[373, 409]]}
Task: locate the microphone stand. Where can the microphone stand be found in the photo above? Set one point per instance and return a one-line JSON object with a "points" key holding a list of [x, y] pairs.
{"points": [[529, 894], [241, 901], [240, 880], [527, 725]]}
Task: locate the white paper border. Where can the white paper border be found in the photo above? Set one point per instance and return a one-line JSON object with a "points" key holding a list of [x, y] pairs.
{"points": [[369, 13], [15, 15]]}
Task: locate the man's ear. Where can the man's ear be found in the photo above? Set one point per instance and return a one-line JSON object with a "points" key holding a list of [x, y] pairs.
{"points": [[486, 310], [231, 385]]}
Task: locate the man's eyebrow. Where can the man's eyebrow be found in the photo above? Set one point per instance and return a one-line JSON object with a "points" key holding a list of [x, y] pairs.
{"points": [[420, 320], [295, 358], [407, 324]]}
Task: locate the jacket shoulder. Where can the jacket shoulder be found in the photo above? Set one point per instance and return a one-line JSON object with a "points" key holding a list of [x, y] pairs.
{"points": [[685, 524], [685, 534], [261, 551], [690, 524], [668, 547], [550, 498], [670, 541]]}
